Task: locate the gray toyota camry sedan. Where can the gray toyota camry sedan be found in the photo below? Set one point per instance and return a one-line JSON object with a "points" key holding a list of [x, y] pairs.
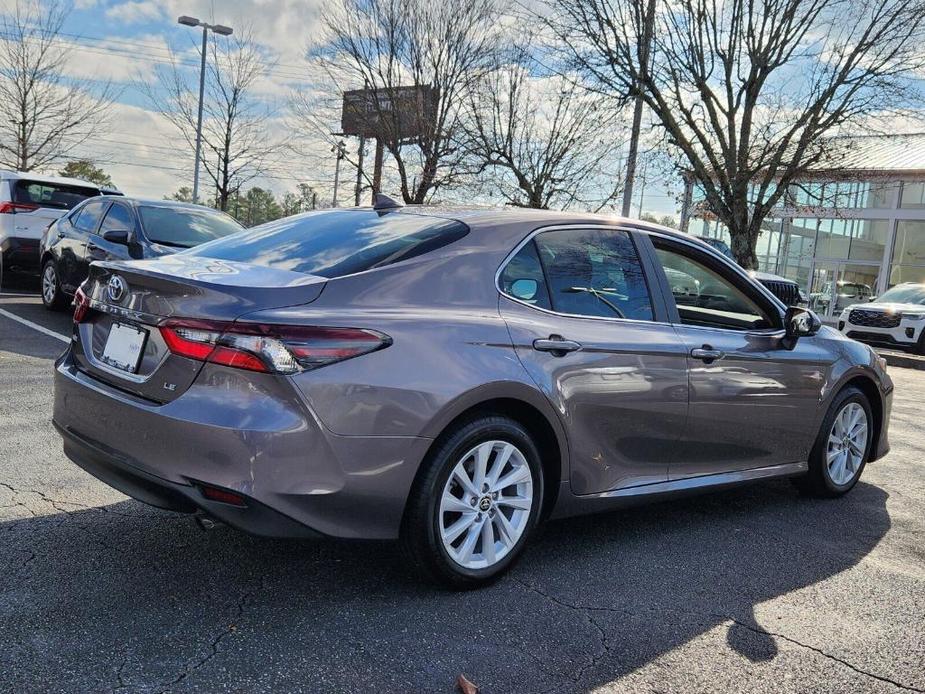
{"points": [[452, 378]]}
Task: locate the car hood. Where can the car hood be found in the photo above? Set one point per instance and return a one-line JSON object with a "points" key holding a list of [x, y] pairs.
{"points": [[768, 277], [888, 307]]}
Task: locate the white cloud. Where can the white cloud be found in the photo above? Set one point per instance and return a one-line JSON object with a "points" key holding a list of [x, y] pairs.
{"points": [[286, 27], [135, 11]]}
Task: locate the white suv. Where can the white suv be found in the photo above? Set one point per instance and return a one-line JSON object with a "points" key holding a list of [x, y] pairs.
{"points": [[28, 204], [896, 318]]}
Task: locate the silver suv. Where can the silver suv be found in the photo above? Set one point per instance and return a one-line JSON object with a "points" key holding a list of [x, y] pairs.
{"points": [[28, 204]]}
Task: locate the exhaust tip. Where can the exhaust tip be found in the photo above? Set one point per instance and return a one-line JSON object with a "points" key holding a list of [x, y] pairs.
{"points": [[207, 523]]}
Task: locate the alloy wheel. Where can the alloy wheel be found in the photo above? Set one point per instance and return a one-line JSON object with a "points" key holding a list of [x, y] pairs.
{"points": [[49, 284], [847, 444], [485, 505]]}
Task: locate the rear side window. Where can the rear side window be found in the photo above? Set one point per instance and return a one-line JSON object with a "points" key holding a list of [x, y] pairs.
{"points": [[59, 197], [337, 243], [592, 272], [88, 217], [523, 278]]}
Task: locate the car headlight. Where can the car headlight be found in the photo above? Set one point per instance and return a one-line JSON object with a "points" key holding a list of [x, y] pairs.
{"points": [[914, 316]]}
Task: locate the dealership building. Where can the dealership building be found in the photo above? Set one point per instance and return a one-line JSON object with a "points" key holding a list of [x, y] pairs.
{"points": [[850, 233]]}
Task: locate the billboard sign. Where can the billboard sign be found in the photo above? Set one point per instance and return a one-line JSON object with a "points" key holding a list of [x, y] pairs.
{"points": [[391, 113]]}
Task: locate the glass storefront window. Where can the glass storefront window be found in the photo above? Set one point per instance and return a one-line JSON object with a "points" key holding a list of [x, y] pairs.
{"points": [[906, 273], [857, 239], [909, 248], [796, 249], [868, 239], [834, 238], [913, 195]]}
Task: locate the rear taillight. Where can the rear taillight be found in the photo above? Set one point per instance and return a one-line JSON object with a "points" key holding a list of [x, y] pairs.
{"points": [[281, 349], [14, 207], [81, 305]]}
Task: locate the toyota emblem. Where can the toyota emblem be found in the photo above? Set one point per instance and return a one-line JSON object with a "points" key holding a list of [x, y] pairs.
{"points": [[116, 288]]}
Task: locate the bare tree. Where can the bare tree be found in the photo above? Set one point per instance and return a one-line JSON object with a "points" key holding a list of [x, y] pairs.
{"points": [[43, 114], [542, 140], [747, 91], [237, 141], [388, 45]]}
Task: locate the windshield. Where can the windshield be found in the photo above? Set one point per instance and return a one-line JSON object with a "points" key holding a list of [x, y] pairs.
{"points": [[905, 294], [185, 227], [53, 195], [337, 242]]}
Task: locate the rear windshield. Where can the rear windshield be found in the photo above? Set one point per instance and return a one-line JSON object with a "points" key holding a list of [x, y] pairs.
{"points": [[336, 243], [183, 227], [59, 197]]}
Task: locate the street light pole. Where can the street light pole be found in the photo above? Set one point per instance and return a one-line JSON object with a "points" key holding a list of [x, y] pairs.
{"points": [[222, 31], [202, 87]]}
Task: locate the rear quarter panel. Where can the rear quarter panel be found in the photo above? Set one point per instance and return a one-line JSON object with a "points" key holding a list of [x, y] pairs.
{"points": [[448, 340]]}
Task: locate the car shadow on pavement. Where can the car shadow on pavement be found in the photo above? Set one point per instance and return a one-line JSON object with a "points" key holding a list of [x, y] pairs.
{"points": [[127, 597]]}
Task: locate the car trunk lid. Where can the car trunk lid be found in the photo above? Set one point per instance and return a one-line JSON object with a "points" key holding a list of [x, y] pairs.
{"points": [[128, 301]]}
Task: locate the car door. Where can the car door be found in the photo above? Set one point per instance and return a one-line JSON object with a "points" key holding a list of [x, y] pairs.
{"points": [[72, 233], [752, 400], [118, 218], [86, 225], [598, 343]]}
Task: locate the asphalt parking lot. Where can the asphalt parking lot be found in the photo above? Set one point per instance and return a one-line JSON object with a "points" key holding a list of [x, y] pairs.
{"points": [[755, 589]]}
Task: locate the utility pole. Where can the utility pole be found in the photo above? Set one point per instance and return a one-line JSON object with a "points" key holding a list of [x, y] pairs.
{"points": [[377, 168], [359, 187], [647, 30], [222, 31], [340, 149]]}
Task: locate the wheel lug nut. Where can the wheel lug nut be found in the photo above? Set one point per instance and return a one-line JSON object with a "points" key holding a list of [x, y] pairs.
{"points": [[495, 496], [472, 501]]}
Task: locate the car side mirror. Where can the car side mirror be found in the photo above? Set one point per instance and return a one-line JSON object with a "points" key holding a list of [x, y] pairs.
{"points": [[524, 289], [117, 236], [800, 322]]}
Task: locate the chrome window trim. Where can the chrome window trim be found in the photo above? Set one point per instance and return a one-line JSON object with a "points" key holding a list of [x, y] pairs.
{"points": [[573, 227]]}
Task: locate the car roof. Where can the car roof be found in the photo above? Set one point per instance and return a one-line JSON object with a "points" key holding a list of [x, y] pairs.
{"points": [[155, 202], [59, 180], [491, 217]]}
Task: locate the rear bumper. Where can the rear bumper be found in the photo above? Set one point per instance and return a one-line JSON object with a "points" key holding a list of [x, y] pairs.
{"points": [[20, 254], [254, 437], [114, 470]]}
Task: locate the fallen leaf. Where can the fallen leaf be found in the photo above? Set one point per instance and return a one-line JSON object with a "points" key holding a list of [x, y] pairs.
{"points": [[465, 686]]}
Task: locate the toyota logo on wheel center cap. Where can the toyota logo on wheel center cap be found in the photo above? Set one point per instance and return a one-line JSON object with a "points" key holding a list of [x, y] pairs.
{"points": [[116, 288]]}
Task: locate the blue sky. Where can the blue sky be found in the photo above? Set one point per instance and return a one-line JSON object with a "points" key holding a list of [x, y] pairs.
{"points": [[124, 41]]}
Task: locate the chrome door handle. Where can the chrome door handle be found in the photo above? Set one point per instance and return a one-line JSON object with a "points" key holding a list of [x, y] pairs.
{"points": [[707, 354], [555, 344]]}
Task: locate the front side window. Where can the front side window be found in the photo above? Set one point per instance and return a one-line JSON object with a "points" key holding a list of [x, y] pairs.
{"points": [[705, 297], [119, 218], [593, 272]]}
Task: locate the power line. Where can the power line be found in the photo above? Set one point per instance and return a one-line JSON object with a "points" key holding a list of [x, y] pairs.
{"points": [[166, 58]]}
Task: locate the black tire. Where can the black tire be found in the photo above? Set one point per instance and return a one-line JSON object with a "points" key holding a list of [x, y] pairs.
{"points": [[420, 532], [818, 480], [57, 301], [919, 347]]}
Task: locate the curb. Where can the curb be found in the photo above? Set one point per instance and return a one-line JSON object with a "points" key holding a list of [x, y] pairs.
{"points": [[902, 359]]}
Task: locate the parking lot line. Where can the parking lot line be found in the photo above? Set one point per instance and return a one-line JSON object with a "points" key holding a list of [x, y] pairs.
{"points": [[34, 326]]}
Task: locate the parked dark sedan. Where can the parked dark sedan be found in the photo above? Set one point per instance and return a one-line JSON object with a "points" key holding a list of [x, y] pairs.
{"points": [[452, 378], [113, 227]]}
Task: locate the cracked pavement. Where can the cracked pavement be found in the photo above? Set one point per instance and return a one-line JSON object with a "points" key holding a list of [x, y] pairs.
{"points": [[754, 589]]}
